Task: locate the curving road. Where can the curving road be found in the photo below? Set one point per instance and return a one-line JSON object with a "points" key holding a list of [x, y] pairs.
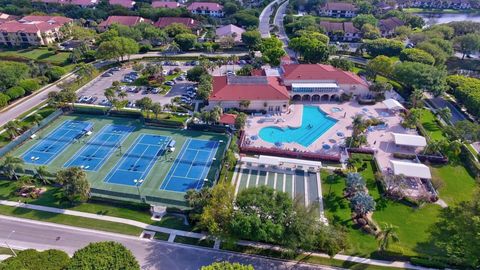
{"points": [[151, 254], [264, 24], [282, 35]]}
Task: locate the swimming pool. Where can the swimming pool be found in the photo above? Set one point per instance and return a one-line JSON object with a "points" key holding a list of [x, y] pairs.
{"points": [[314, 123]]}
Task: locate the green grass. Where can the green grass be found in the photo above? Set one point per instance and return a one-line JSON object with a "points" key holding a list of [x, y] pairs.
{"points": [[6, 251], [161, 236], [457, 184], [69, 220], [194, 241], [428, 121], [440, 11], [38, 54], [332, 19]]}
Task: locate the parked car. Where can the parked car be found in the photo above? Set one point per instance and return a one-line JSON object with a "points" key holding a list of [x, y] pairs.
{"points": [[169, 83], [107, 74]]}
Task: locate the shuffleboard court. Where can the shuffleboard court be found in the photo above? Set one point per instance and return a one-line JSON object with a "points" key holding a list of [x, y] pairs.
{"points": [[136, 163], [49, 147], [96, 151], [191, 166]]}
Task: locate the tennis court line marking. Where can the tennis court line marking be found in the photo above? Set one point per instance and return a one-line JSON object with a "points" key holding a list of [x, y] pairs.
{"points": [[207, 166], [123, 159], [124, 135], [171, 173], [31, 149], [177, 161], [152, 159]]}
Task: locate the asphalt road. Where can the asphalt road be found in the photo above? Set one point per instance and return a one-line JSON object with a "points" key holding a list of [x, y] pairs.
{"points": [[151, 254], [264, 24], [282, 35]]}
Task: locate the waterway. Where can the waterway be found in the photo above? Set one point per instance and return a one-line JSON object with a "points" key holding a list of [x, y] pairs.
{"points": [[436, 18]]}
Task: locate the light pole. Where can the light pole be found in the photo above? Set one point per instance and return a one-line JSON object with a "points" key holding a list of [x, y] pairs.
{"points": [[6, 243], [138, 182]]}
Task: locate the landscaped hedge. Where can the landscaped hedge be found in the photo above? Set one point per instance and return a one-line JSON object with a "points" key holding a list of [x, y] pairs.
{"points": [[164, 123], [467, 91], [431, 263], [90, 109]]}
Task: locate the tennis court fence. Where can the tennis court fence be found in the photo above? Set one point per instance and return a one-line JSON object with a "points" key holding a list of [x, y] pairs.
{"points": [[27, 134]]}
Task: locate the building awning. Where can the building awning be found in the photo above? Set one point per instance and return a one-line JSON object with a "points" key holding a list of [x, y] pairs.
{"points": [[393, 104], [409, 140], [315, 85], [410, 169], [227, 119]]}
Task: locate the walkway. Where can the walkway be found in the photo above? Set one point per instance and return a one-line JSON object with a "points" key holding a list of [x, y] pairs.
{"points": [[396, 264]]}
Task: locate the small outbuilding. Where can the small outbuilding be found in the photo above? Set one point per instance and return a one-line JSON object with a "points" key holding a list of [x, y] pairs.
{"points": [[409, 140], [393, 104], [410, 169]]}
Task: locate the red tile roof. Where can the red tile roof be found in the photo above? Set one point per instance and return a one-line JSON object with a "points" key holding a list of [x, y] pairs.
{"points": [[123, 3], [50, 19], [71, 2], [236, 88], [205, 6], [166, 21], [227, 119], [124, 20], [4, 17], [339, 6], [166, 4], [320, 72]]}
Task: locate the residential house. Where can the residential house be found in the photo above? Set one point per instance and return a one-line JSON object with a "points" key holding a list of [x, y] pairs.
{"points": [[124, 3], [123, 20], [387, 26], [338, 10], [188, 22], [230, 31], [341, 31], [82, 3], [206, 8], [318, 82], [228, 119], [263, 93], [436, 4], [33, 31], [166, 4]]}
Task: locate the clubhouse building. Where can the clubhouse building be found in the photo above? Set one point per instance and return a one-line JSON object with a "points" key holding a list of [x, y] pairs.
{"points": [[297, 82]]}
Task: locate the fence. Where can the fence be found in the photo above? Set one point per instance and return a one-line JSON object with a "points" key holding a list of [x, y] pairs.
{"points": [[27, 134]]}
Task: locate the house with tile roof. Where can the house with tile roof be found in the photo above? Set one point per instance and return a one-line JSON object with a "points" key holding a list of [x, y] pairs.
{"points": [[206, 8], [230, 31], [264, 93], [188, 22], [123, 20], [4, 17], [341, 31], [166, 4], [446, 4], [387, 26], [318, 82], [82, 3], [33, 31], [124, 3], [338, 10]]}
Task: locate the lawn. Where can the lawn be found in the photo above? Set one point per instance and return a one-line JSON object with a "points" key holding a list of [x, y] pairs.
{"points": [[412, 223], [457, 185], [38, 54], [428, 121], [72, 221], [138, 212]]}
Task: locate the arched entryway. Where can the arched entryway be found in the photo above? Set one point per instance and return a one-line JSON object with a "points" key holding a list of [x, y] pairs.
{"points": [[325, 97], [334, 98], [297, 98], [316, 98], [306, 98]]}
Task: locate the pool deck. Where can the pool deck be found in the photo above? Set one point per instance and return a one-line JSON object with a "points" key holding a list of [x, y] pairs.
{"points": [[381, 140]]}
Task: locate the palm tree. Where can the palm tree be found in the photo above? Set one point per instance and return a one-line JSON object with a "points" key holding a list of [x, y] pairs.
{"points": [[234, 58], [416, 97], [387, 235], [445, 113], [42, 173], [245, 103], [109, 94], [455, 148], [13, 129], [36, 118], [122, 95], [156, 109], [85, 70], [174, 47], [10, 166]]}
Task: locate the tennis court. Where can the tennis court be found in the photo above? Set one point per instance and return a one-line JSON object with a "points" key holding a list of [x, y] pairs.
{"points": [[92, 156], [49, 147], [191, 166], [138, 160]]}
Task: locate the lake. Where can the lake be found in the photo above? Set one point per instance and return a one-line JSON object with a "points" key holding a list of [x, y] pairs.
{"points": [[434, 18]]}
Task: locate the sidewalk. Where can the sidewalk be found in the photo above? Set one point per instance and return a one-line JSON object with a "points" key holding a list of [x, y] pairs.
{"points": [[396, 264]]}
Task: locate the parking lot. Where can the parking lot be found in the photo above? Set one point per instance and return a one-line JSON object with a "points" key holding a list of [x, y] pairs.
{"points": [[95, 89]]}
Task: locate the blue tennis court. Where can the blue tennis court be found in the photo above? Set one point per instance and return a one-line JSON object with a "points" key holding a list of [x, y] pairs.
{"points": [[49, 147], [96, 151], [138, 160], [191, 167]]}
